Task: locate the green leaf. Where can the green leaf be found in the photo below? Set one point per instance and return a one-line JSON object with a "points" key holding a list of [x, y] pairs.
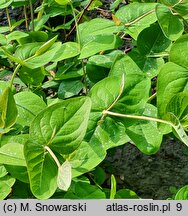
{"points": [[12, 154], [13, 58], [3, 39], [46, 46], [4, 4], [39, 23], [170, 2], [113, 187], [8, 110], [170, 24], [104, 93], [69, 88], [18, 172], [62, 126], [28, 105], [172, 79], [16, 24], [3, 171], [147, 64], [99, 175], [97, 26], [182, 194], [3, 86], [67, 50], [179, 51], [32, 76], [115, 4], [44, 58], [95, 4], [178, 129], [26, 54], [16, 35], [137, 85], [21, 139], [129, 13], [179, 6], [84, 190], [86, 157], [42, 170], [145, 134], [99, 43], [178, 105], [126, 194], [110, 133], [64, 176], [6, 184], [148, 45], [105, 60], [62, 2], [98, 66]]}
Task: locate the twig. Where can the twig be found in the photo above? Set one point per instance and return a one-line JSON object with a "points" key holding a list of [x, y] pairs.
{"points": [[80, 17]]}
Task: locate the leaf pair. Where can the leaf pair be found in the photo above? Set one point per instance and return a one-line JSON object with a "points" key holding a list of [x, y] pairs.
{"points": [[60, 127]]}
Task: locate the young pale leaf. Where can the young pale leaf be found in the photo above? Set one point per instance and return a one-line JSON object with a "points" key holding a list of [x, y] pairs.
{"points": [[8, 110], [46, 46], [179, 51], [170, 24], [42, 170], [182, 194], [12, 154], [64, 176], [178, 129], [6, 184], [62, 126], [28, 105]]}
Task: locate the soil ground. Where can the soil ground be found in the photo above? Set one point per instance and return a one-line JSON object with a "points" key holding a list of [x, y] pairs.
{"points": [[151, 177]]}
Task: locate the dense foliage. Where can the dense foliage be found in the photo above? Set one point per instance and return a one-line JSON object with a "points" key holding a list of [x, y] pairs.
{"points": [[73, 87]]}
